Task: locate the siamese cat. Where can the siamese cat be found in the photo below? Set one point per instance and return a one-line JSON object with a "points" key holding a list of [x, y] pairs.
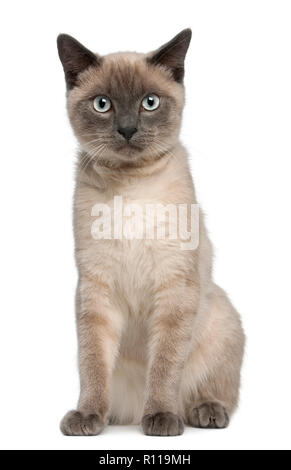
{"points": [[159, 342]]}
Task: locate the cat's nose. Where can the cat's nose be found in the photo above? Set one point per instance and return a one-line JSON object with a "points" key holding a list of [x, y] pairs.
{"points": [[127, 132]]}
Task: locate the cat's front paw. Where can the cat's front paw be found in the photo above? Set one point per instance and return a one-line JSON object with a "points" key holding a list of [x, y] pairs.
{"points": [[75, 423], [162, 424]]}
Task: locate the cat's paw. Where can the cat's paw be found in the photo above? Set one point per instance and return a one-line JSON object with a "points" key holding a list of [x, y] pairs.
{"points": [[209, 415], [75, 423], [162, 424]]}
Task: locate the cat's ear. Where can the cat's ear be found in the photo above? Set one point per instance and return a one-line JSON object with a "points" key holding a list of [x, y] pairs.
{"points": [[172, 54], [75, 58]]}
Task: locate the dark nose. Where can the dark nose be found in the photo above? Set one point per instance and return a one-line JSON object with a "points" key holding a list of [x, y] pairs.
{"points": [[127, 132]]}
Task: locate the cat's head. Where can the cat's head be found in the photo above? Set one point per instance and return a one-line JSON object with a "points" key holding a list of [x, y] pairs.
{"points": [[125, 108]]}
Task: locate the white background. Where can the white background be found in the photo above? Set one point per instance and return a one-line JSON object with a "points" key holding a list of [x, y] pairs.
{"points": [[237, 126]]}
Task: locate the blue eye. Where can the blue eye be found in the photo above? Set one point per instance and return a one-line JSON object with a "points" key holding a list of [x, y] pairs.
{"points": [[151, 102], [102, 104]]}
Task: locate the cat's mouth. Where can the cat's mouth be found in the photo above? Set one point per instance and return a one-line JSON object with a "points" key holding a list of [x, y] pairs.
{"points": [[129, 147]]}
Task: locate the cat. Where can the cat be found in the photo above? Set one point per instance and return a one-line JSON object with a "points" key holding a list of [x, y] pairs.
{"points": [[160, 344]]}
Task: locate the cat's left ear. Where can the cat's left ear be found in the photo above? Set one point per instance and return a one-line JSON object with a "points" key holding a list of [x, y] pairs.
{"points": [[75, 58], [172, 54]]}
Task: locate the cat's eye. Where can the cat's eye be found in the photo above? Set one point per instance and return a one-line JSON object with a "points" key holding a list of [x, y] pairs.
{"points": [[151, 102], [102, 104]]}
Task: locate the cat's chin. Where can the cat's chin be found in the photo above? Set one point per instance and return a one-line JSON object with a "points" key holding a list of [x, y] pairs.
{"points": [[127, 155], [132, 154]]}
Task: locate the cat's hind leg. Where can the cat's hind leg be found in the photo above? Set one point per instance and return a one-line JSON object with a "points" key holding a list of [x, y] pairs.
{"points": [[208, 415], [211, 380]]}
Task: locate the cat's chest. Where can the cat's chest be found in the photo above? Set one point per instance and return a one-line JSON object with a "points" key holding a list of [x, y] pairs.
{"points": [[133, 262], [122, 244], [122, 241]]}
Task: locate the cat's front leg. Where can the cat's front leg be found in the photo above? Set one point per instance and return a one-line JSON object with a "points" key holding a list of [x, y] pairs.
{"points": [[99, 328], [170, 335]]}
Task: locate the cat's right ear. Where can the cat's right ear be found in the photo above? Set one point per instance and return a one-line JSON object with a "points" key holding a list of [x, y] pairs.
{"points": [[75, 58]]}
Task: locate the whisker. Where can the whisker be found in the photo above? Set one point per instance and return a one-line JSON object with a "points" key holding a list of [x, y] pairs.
{"points": [[88, 158]]}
